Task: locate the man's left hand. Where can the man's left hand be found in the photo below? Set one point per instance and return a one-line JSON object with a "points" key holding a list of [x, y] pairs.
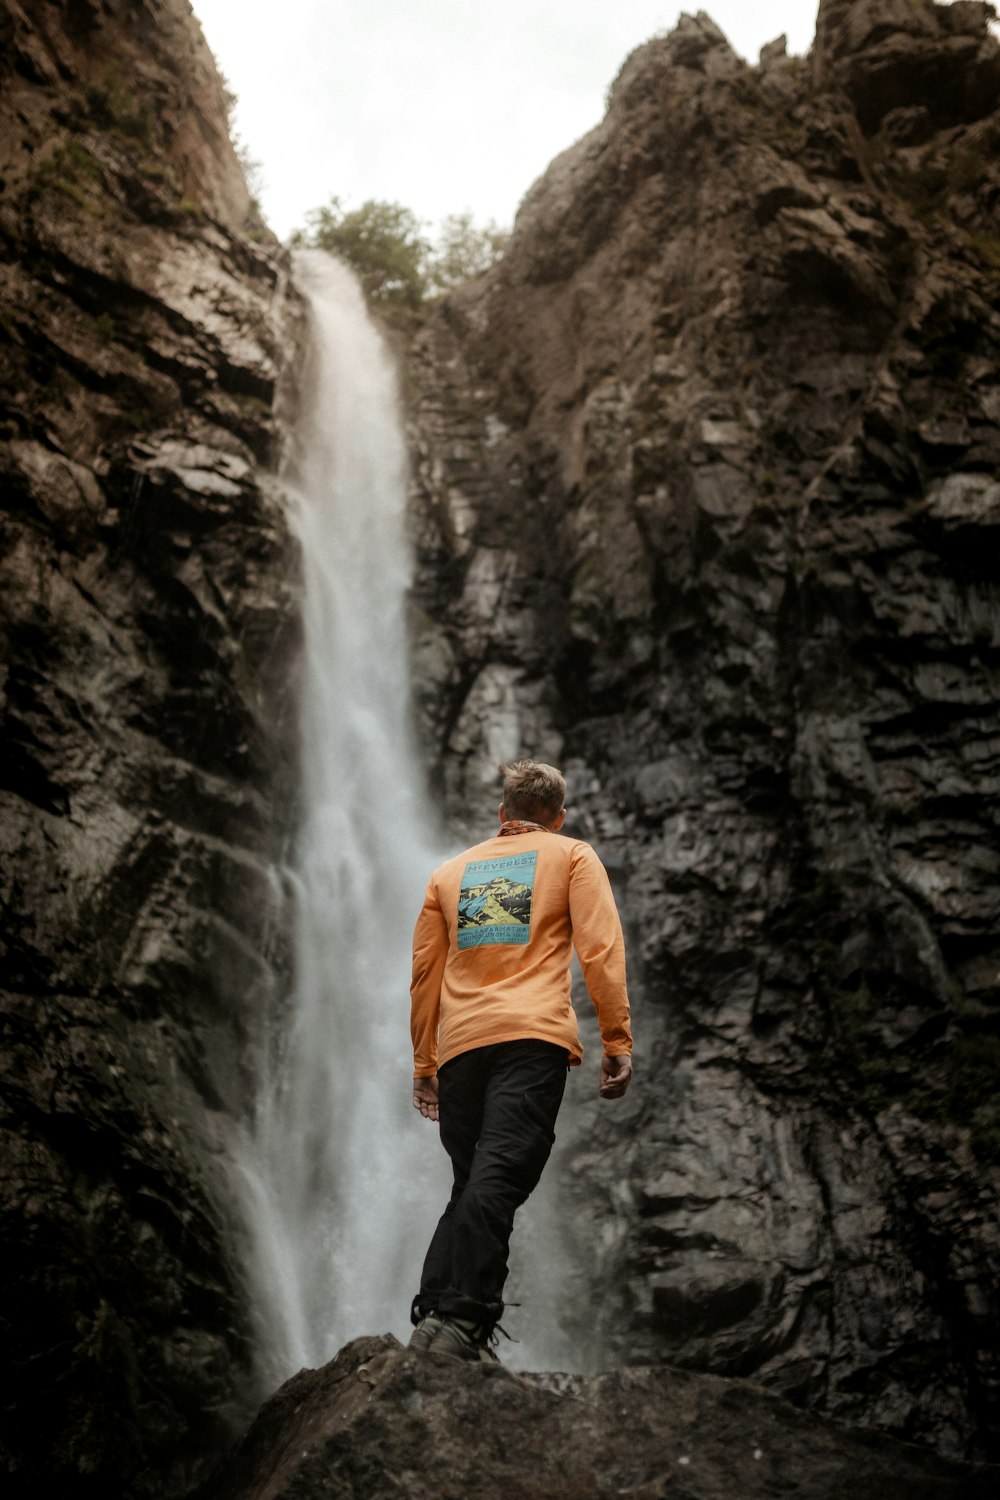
{"points": [[616, 1074], [425, 1097]]}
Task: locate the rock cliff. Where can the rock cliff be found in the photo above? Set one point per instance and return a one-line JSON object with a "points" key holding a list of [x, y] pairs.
{"points": [[706, 504], [146, 598], [707, 511]]}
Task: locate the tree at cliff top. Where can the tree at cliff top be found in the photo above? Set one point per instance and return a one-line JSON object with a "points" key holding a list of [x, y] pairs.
{"points": [[398, 266]]}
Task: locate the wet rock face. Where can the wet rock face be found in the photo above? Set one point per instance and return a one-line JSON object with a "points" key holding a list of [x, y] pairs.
{"points": [[705, 484], [382, 1421], [148, 626]]}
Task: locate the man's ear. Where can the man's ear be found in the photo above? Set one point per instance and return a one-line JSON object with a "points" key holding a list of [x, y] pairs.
{"points": [[560, 820], [500, 813]]}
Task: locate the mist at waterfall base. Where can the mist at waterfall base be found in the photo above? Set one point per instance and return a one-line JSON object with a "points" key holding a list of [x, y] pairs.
{"points": [[341, 1180]]}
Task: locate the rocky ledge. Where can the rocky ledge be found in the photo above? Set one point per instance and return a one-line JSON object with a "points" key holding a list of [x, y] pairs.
{"points": [[380, 1423]]}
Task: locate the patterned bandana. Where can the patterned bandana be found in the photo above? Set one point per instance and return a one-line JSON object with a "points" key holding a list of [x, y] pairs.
{"points": [[517, 825]]}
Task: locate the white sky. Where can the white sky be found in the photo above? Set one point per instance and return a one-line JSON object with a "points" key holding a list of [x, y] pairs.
{"points": [[442, 105]]}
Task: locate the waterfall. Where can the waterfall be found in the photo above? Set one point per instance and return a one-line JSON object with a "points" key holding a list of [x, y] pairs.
{"points": [[341, 1180]]}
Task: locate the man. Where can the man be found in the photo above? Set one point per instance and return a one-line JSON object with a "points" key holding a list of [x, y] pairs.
{"points": [[494, 1033]]}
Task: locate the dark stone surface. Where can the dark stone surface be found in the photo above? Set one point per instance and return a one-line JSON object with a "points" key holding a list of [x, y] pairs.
{"points": [[706, 485], [381, 1422], [148, 621]]}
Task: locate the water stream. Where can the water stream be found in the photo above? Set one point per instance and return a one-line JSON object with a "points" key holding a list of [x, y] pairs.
{"points": [[342, 1181], [343, 1184]]}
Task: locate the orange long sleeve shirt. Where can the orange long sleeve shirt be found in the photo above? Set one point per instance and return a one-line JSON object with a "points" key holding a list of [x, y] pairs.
{"points": [[492, 949]]}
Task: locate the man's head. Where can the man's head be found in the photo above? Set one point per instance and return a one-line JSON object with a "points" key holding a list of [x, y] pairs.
{"points": [[533, 791]]}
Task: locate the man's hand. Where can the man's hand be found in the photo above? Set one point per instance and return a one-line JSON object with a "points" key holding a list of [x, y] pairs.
{"points": [[616, 1073], [425, 1097]]}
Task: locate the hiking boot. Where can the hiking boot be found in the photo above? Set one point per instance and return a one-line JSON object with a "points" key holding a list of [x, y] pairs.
{"points": [[458, 1337], [425, 1332]]}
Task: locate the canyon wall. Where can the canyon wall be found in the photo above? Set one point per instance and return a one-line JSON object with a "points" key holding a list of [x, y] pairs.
{"points": [[148, 620], [707, 508]]}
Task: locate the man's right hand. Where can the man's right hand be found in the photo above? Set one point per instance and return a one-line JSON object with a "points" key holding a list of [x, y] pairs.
{"points": [[616, 1073], [425, 1097]]}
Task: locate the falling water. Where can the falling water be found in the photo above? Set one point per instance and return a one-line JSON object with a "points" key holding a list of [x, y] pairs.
{"points": [[342, 1180]]}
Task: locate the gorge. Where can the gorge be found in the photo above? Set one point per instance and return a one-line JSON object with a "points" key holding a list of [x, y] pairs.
{"points": [[705, 507]]}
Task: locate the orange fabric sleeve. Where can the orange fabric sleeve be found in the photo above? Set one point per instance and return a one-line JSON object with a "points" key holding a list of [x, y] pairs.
{"points": [[600, 947], [430, 953]]}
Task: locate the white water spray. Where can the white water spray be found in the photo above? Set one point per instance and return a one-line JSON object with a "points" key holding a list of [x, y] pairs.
{"points": [[342, 1180]]}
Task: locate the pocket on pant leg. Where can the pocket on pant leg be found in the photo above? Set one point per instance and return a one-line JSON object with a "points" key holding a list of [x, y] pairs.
{"points": [[539, 1108], [540, 1115]]}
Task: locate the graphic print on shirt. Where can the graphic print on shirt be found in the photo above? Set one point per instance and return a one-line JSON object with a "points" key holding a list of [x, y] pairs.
{"points": [[494, 903]]}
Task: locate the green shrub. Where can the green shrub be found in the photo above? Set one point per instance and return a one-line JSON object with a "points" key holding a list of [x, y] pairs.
{"points": [[382, 243], [398, 266], [464, 251]]}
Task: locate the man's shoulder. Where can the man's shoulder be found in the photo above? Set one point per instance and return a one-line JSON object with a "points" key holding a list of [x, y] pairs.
{"points": [[558, 846], [457, 862]]}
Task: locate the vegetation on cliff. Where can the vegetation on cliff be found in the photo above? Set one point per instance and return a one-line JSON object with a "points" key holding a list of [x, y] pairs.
{"points": [[400, 268]]}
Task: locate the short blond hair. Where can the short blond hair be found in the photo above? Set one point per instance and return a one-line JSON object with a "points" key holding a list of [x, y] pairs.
{"points": [[532, 790]]}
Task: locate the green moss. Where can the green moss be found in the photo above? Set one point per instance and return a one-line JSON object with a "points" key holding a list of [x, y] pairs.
{"points": [[986, 246], [161, 172], [589, 573], [105, 328], [73, 157], [72, 171], [929, 187], [255, 403], [967, 168], [138, 419], [923, 186], [874, 1075], [112, 106]]}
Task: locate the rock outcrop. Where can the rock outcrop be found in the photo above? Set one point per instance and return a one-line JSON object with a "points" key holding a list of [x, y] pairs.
{"points": [[146, 597], [381, 1422], [708, 512]]}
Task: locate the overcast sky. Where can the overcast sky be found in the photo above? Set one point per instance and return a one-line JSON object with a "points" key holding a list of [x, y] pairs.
{"points": [[443, 105]]}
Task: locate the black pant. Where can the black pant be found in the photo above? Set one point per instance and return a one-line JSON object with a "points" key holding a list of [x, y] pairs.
{"points": [[498, 1108]]}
